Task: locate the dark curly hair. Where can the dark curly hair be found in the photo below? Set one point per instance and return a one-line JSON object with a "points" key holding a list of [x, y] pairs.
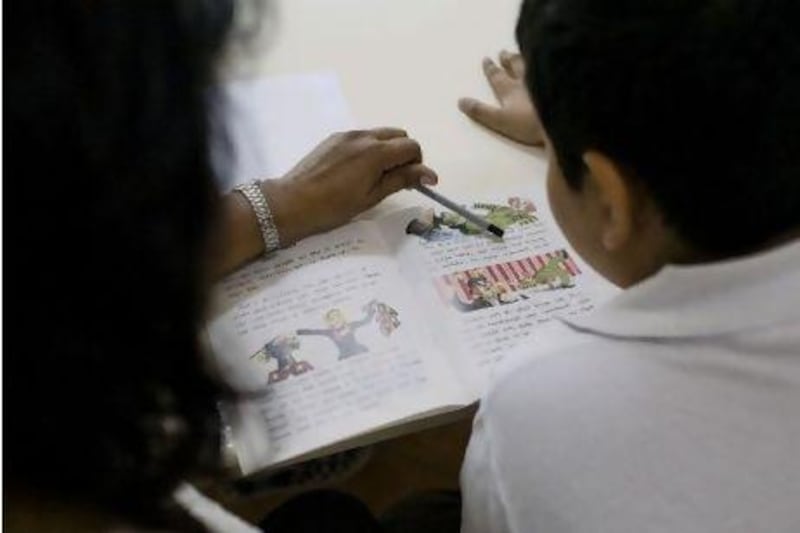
{"points": [[106, 156]]}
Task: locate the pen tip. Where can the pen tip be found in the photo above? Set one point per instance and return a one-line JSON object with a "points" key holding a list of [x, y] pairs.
{"points": [[496, 231]]}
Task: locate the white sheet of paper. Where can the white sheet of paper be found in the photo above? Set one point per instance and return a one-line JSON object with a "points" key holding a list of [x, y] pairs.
{"points": [[264, 126]]}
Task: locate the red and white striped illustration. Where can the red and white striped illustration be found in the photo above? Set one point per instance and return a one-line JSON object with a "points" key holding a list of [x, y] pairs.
{"points": [[496, 284]]}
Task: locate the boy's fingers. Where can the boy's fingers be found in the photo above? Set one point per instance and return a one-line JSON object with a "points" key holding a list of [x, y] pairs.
{"points": [[484, 114], [513, 64], [506, 62], [498, 79], [518, 64]]}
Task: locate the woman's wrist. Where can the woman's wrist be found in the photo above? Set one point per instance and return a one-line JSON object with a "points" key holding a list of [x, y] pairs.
{"points": [[254, 195], [288, 212], [239, 237]]}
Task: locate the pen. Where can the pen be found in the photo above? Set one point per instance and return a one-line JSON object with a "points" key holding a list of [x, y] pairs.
{"points": [[483, 224]]}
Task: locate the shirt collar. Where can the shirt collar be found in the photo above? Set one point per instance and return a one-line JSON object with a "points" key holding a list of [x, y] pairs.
{"points": [[705, 300]]}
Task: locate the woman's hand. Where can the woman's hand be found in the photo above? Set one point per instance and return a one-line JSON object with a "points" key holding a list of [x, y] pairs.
{"points": [[345, 175], [516, 117]]}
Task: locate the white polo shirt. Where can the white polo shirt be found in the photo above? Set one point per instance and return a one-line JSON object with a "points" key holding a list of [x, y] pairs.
{"points": [[674, 408]]}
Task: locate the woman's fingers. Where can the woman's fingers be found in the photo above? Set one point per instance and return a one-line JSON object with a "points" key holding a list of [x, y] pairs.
{"points": [[385, 134], [403, 178], [398, 152]]}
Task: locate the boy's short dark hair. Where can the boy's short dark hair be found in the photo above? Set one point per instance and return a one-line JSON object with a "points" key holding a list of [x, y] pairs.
{"points": [[697, 100]]}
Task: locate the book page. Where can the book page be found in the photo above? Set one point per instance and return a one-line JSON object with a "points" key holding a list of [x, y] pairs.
{"points": [[487, 295], [326, 342]]}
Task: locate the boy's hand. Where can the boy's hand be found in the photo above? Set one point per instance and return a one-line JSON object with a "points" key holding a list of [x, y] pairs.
{"points": [[516, 118]]}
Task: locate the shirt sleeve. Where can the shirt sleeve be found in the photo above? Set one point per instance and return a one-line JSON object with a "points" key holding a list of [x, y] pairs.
{"points": [[483, 504], [210, 513]]}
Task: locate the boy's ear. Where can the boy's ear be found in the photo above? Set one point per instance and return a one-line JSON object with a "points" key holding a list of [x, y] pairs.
{"points": [[615, 198]]}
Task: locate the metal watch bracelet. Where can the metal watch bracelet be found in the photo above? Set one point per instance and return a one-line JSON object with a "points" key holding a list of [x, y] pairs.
{"points": [[255, 197]]}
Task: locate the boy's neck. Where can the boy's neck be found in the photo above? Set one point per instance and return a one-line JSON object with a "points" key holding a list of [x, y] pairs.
{"points": [[690, 256], [647, 257]]}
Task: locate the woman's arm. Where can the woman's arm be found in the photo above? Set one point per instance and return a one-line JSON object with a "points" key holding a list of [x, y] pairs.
{"points": [[344, 176]]}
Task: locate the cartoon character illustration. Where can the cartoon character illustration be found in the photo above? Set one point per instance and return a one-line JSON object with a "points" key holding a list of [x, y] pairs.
{"points": [[419, 228], [387, 318], [343, 333], [518, 212], [485, 294], [553, 275], [282, 350], [429, 230], [507, 283]]}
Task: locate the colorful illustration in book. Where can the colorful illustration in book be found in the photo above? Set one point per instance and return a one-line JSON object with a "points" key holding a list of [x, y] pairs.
{"points": [[507, 283], [343, 332], [556, 273], [484, 293], [428, 229], [518, 212], [425, 230], [447, 225], [282, 350]]}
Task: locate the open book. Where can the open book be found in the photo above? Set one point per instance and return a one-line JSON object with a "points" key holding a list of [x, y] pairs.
{"points": [[354, 335]]}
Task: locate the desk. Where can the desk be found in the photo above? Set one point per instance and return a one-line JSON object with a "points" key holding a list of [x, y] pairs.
{"points": [[405, 63]]}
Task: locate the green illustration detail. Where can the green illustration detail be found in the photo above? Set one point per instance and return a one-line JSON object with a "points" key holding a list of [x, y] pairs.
{"points": [[554, 274], [518, 212]]}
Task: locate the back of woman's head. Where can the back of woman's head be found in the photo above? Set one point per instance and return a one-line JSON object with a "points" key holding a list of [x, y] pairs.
{"points": [[106, 157]]}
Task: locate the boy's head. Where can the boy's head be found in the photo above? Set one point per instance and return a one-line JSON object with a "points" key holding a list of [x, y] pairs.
{"points": [[673, 126]]}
